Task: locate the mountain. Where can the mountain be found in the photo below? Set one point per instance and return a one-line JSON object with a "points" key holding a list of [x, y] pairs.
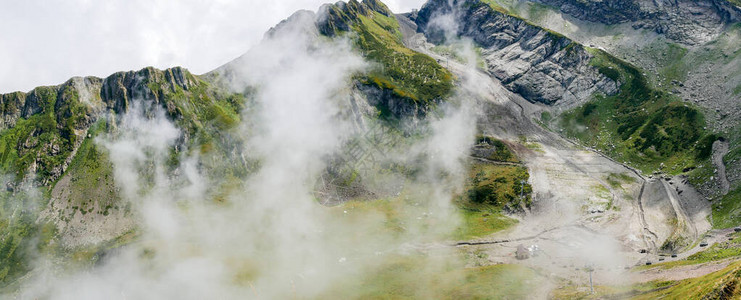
{"points": [[468, 149], [689, 22]]}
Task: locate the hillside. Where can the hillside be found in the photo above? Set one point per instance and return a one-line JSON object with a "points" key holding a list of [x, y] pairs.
{"points": [[470, 149]]}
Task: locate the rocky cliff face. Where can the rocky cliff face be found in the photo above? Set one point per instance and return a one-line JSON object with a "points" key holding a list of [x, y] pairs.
{"points": [[46, 126], [540, 65], [121, 88], [687, 21], [48, 140]]}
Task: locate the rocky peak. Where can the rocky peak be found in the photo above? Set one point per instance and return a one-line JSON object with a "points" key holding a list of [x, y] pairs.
{"points": [[378, 6], [119, 89], [57, 118], [686, 21], [334, 18], [10, 106]]}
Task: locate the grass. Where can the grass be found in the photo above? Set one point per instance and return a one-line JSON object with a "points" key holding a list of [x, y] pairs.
{"points": [[490, 191], [616, 180], [715, 253], [407, 74], [501, 152], [608, 292], [46, 138], [499, 186], [419, 277], [537, 11], [723, 284], [535, 146], [89, 256], [91, 177], [734, 153], [21, 236], [481, 222], [727, 210], [396, 216], [207, 115], [675, 67], [645, 127]]}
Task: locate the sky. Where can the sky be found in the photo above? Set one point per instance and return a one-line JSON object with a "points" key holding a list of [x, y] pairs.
{"points": [[48, 42]]}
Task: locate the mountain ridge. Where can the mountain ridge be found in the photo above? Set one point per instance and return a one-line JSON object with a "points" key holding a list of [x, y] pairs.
{"points": [[690, 22], [540, 86]]}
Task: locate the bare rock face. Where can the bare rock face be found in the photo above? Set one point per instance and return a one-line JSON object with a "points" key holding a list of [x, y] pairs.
{"points": [[74, 106], [690, 22], [393, 105], [540, 65], [121, 88]]}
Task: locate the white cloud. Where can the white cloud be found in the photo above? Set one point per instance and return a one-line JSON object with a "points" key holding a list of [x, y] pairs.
{"points": [[47, 42], [272, 239]]}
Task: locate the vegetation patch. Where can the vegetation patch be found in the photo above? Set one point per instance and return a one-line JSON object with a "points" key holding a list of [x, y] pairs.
{"points": [[21, 237], [504, 187], [616, 180], [407, 73], [609, 292], [420, 277], [45, 139], [493, 149], [207, 115], [648, 128], [723, 284], [91, 177], [727, 210], [480, 221]]}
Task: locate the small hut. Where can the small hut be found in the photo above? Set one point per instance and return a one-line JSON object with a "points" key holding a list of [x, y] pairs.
{"points": [[522, 252]]}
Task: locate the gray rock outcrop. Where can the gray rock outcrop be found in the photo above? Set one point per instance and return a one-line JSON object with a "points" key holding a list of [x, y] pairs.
{"points": [[540, 65], [686, 21]]}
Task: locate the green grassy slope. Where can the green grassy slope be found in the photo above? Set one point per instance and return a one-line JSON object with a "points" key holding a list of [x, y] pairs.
{"points": [[727, 210], [413, 277], [91, 178], [723, 284], [646, 127], [21, 236], [376, 32]]}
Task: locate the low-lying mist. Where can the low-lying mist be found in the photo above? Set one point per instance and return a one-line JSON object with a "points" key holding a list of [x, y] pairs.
{"points": [[270, 236]]}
